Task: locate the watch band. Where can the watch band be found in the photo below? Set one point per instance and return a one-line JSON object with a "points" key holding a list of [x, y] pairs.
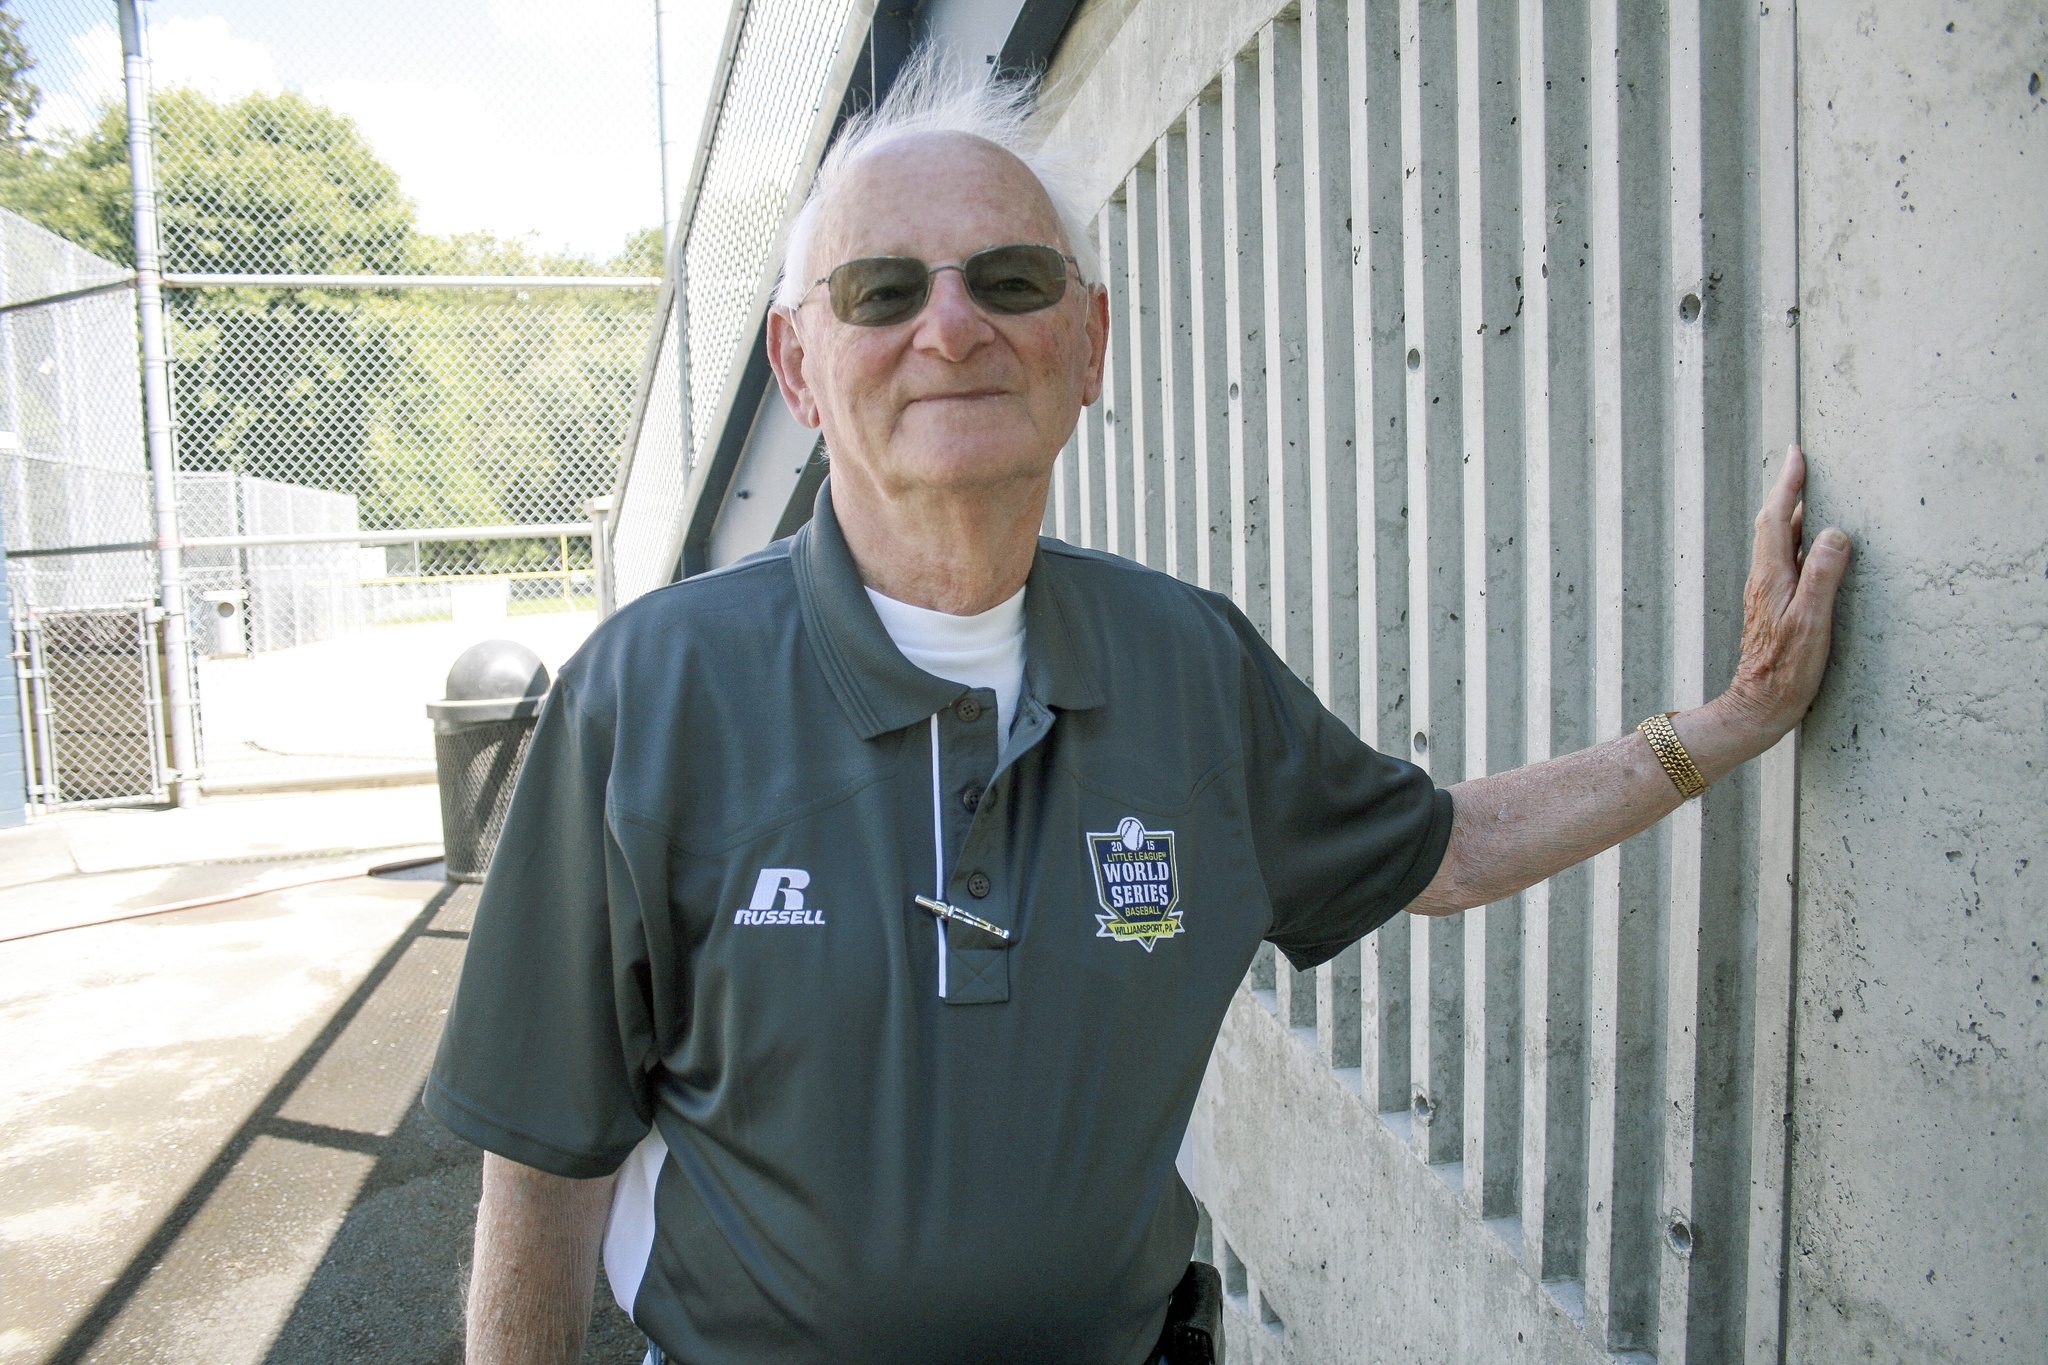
{"points": [[1678, 765]]}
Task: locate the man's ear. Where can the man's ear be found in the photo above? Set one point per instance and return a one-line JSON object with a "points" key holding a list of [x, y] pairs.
{"points": [[786, 358], [1097, 331]]}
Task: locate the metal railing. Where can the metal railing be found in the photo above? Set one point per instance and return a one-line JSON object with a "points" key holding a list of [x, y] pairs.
{"points": [[784, 69]]}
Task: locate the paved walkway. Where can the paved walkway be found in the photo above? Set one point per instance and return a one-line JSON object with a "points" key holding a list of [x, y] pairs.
{"points": [[215, 1151], [351, 706]]}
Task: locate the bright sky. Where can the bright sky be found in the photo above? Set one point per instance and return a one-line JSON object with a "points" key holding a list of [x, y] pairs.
{"points": [[528, 118]]}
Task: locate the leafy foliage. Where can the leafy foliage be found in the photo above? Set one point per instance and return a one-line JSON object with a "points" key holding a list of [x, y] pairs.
{"points": [[434, 407], [18, 95]]}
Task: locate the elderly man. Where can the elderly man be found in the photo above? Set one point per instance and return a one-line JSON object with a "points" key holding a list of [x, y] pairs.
{"points": [[868, 909]]}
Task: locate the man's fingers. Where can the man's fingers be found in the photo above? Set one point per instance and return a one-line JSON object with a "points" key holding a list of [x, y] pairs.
{"points": [[1774, 555], [1826, 561], [1790, 483]]}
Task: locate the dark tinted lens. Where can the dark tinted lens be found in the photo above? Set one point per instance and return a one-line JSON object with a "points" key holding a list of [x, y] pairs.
{"points": [[1016, 279], [875, 291]]}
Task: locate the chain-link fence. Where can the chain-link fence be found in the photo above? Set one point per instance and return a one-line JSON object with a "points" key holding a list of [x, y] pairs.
{"points": [[779, 71], [383, 315], [71, 455]]}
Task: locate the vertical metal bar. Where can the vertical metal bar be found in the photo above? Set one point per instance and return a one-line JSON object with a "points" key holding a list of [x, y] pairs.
{"points": [[1145, 384], [1289, 497], [1209, 430], [1118, 442], [1536, 995], [1603, 984], [1372, 35], [1489, 408], [1688, 570], [1332, 465], [1091, 472], [600, 512], [1281, 209], [1630, 224], [31, 744], [52, 789], [1244, 340], [1331, 352], [1555, 529], [668, 204], [1429, 207], [1177, 413], [1777, 852], [154, 663], [1057, 497], [156, 407]]}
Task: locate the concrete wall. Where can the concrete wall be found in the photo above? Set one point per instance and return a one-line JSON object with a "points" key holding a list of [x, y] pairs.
{"points": [[1456, 342], [1920, 1118]]}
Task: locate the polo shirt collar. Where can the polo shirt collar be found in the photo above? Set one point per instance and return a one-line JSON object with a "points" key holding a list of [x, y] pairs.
{"points": [[881, 690]]}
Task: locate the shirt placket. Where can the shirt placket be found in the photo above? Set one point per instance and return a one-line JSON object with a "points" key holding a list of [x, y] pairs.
{"points": [[965, 800]]}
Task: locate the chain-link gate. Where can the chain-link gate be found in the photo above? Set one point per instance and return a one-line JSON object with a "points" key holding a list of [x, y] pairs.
{"points": [[387, 438], [92, 683]]}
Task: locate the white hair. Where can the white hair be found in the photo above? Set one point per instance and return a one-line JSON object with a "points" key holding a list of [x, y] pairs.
{"points": [[933, 95]]}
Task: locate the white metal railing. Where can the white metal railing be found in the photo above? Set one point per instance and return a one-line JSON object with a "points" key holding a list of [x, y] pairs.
{"points": [[784, 70]]}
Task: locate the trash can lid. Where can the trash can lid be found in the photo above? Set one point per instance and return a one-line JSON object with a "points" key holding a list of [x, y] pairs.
{"points": [[493, 681], [497, 670]]}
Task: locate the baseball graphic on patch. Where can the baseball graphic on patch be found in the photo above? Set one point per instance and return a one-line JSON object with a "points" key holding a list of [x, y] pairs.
{"points": [[1137, 882]]}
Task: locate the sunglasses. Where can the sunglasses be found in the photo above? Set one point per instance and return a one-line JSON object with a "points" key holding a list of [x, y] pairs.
{"points": [[876, 291]]}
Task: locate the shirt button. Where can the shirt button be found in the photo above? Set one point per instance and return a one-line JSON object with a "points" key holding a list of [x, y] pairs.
{"points": [[971, 798], [968, 709], [978, 885]]}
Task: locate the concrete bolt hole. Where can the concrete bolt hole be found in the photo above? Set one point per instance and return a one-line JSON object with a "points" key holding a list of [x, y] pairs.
{"points": [[1679, 1234], [1422, 1106], [1414, 359], [1689, 308]]}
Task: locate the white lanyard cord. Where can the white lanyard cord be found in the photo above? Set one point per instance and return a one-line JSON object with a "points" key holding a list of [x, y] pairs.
{"points": [[938, 852]]}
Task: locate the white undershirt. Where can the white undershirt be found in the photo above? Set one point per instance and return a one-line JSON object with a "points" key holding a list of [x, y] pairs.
{"points": [[984, 650]]}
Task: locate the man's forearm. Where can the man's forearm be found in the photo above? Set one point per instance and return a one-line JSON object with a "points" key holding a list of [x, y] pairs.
{"points": [[1513, 829], [537, 1240]]}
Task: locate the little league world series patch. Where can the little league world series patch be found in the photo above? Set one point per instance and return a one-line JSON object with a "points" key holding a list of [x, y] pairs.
{"points": [[1137, 882]]}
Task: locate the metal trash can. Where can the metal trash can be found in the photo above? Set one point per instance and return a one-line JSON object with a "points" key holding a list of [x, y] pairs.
{"points": [[481, 731]]}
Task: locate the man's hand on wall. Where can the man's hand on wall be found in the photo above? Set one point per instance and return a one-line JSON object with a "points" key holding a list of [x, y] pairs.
{"points": [[1513, 829], [1788, 609]]}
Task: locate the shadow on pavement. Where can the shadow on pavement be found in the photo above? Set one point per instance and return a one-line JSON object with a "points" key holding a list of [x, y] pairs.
{"points": [[338, 1182], [390, 1287]]}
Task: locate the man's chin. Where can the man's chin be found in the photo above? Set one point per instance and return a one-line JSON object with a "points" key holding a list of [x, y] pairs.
{"points": [[968, 462]]}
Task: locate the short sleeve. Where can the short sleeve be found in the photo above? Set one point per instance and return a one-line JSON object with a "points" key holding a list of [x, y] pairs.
{"points": [[1345, 836], [548, 1051]]}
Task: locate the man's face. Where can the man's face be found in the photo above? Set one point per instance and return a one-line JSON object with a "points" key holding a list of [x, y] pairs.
{"points": [[954, 398]]}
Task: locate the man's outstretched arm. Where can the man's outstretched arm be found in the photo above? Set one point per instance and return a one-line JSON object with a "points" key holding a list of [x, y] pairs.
{"points": [[1513, 829], [537, 1239]]}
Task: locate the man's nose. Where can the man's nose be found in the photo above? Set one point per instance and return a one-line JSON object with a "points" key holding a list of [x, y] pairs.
{"points": [[951, 325]]}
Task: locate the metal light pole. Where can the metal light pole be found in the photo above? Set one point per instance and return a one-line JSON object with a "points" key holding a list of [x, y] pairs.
{"points": [[156, 412], [668, 203]]}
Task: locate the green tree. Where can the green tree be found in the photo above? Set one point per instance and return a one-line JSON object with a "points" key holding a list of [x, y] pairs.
{"points": [[433, 407], [77, 186], [18, 95]]}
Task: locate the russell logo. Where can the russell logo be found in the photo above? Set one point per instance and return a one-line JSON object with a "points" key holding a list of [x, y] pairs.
{"points": [[1137, 882], [779, 899]]}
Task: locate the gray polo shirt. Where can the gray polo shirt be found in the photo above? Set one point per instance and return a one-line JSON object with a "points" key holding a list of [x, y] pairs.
{"points": [[891, 1137]]}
